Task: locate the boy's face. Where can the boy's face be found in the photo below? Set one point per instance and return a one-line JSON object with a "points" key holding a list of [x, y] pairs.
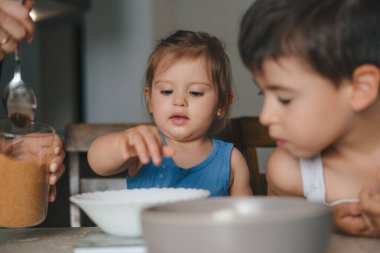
{"points": [[183, 99], [304, 111]]}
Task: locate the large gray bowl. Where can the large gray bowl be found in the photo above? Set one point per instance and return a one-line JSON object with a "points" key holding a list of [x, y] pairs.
{"points": [[237, 225]]}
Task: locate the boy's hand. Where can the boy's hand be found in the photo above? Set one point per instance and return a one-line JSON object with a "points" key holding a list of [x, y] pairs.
{"points": [[361, 218], [15, 24], [370, 202], [348, 218], [145, 142]]}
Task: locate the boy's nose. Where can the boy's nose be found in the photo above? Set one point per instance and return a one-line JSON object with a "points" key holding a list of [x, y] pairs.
{"points": [[267, 115]]}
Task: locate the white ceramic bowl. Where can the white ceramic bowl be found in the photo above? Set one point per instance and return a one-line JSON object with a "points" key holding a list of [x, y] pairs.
{"points": [[118, 212], [238, 225]]}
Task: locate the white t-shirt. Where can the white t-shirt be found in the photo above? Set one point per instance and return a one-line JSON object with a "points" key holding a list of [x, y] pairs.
{"points": [[313, 181]]}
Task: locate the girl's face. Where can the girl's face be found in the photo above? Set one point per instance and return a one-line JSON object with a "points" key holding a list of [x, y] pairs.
{"points": [[304, 111], [183, 99]]}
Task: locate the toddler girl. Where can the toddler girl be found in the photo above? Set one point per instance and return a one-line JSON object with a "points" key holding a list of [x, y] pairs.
{"points": [[188, 93]]}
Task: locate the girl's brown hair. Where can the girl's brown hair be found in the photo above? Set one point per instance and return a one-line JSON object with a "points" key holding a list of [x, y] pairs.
{"points": [[192, 45]]}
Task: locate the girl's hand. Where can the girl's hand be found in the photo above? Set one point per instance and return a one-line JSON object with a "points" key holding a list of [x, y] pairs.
{"points": [[15, 24], [145, 142]]}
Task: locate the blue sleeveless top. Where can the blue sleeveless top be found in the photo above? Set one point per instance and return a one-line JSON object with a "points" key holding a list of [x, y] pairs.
{"points": [[212, 174]]}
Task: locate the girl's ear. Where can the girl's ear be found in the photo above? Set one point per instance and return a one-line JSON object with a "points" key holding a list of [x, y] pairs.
{"points": [[220, 113], [365, 86], [147, 98]]}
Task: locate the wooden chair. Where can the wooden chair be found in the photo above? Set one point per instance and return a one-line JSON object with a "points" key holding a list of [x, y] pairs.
{"points": [[246, 133], [255, 136], [81, 178]]}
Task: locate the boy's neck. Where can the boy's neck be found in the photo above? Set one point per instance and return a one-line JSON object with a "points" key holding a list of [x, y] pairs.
{"points": [[362, 135]]}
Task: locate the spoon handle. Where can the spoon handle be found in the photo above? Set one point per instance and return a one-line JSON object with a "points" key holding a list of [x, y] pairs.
{"points": [[17, 51], [17, 54]]}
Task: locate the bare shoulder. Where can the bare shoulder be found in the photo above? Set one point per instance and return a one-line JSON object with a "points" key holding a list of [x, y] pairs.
{"points": [[283, 174], [239, 175], [237, 158]]}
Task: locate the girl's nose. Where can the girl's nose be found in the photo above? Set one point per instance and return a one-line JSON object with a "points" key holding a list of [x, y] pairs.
{"points": [[180, 99]]}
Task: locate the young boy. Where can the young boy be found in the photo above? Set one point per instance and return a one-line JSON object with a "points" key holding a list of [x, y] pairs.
{"points": [[317, 63]]}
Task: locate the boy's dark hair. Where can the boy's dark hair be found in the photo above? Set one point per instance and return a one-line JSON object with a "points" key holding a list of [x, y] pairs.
{"points": [[333, 36], [192, 45]]}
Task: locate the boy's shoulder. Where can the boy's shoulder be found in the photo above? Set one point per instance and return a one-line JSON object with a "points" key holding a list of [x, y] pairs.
{"points": [[283, 173]]}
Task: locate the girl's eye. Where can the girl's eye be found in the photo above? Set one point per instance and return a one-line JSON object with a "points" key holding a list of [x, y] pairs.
{"points": [[260, 93], [196, 93], [167, 92]]}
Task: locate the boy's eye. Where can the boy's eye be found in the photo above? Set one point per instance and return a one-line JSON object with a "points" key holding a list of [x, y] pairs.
{"points": [[196, 93], [284, 101], [167, 92], [260, 93]]}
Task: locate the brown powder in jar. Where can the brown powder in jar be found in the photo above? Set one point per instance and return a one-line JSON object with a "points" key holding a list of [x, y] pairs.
{"points": [[23, 192]]}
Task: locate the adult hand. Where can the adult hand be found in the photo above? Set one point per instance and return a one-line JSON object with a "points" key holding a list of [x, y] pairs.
{"points": [[15, 24], [30, 148], [56, 167], [51, 147]]}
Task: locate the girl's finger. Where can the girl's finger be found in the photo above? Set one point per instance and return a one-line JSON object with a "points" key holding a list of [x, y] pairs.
{"points": [[138, 144], [154, 144]]}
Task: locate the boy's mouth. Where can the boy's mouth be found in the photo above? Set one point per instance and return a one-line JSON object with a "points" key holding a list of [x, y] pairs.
{"points": [[280, 143]]}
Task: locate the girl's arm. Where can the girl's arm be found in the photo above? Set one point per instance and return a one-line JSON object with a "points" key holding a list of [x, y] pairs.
{"points": [[113, 153], [239, 179]]}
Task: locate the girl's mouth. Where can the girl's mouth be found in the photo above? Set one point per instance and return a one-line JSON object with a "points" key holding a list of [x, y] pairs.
{"points": [[179, 120]]}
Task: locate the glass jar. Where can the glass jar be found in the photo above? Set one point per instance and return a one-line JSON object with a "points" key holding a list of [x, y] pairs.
{"points": [[25, 154]]}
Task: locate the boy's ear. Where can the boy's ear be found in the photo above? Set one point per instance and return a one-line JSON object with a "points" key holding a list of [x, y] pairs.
{"points": [[365, 86], [147, 98]]}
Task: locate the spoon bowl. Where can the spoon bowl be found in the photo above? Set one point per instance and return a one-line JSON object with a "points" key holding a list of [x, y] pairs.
{"points": [[19, 99]]}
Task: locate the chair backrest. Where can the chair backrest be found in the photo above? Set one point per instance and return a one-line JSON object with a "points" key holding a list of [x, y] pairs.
{"points": [[254, 136], [246, 133], [81, 179]]}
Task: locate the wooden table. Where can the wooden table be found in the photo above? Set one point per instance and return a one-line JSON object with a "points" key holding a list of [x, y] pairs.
{"points": [[62, 240]]}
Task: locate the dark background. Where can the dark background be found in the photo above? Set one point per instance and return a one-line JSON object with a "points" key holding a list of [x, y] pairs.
{"points": [[51, 64]]}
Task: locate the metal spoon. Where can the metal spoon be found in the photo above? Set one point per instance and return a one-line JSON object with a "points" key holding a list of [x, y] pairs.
{"points": [[18, 99]]}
